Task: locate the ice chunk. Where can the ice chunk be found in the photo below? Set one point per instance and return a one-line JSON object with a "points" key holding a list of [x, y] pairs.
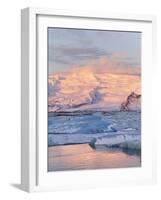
{"points": [[119, 140]]}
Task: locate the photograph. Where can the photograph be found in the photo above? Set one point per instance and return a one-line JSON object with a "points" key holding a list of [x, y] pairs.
{"points": [[94, 99]]}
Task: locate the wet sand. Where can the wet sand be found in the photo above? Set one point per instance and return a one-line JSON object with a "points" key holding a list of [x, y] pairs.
{"points": [[82, 156]]}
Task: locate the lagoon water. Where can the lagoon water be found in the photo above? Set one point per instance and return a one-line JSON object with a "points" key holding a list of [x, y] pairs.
{"points": [[82, 156]]}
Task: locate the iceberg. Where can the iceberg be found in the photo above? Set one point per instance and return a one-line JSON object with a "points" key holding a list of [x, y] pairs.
{"points": [[128, 141]]}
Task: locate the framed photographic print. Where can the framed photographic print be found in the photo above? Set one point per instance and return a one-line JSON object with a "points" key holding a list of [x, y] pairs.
{"points": [[86, 99]]}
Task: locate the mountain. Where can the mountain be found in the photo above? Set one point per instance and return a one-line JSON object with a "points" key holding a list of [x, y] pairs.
{"points": [[88, 89], [133, 102]]}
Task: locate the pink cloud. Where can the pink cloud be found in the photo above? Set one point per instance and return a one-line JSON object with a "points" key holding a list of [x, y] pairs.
{"points": [[108, 65]]}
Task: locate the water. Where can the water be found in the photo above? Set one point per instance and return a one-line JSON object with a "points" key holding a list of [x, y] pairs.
{"points": [[82, 156]]}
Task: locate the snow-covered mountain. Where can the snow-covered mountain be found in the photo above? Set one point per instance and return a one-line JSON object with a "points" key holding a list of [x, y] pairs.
{"points": [[88, 89], [133, 102]]}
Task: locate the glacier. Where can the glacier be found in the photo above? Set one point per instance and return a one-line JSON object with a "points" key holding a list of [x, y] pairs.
{"points": [[90, 90]]}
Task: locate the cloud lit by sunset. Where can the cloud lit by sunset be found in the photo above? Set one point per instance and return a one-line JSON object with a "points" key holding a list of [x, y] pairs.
{"points": [[79, 47]]}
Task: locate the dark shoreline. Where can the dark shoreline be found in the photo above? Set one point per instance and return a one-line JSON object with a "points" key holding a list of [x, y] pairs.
{"points": [[88, 112]]}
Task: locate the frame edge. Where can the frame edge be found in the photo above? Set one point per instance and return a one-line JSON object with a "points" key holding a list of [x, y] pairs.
{"points": [[25, 99], [28, 100]]}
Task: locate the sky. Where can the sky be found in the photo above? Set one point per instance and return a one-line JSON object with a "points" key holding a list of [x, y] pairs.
{"points": [[69, 48]]}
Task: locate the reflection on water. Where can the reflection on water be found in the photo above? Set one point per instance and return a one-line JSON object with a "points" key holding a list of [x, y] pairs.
{"points": [[82, 156]]}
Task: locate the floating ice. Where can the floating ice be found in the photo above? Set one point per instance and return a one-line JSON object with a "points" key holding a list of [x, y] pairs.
{"points": [[132, 141], [114, 129]]}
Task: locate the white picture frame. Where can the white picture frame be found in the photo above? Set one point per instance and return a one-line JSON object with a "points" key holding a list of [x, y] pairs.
{"points": [[34, 176]]}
